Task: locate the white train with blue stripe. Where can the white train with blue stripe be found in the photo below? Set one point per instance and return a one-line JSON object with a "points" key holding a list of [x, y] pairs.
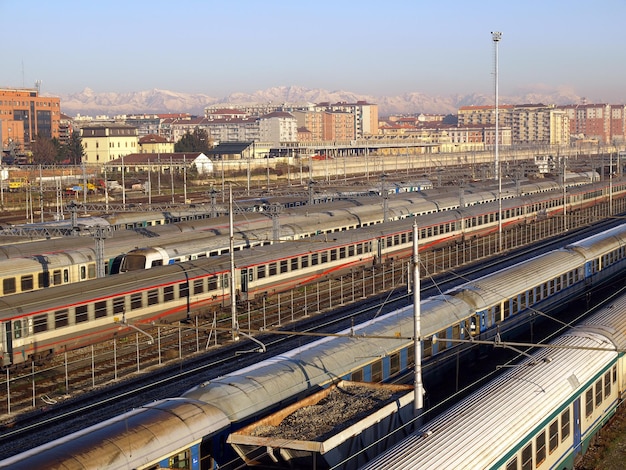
{"points": [[541, 414], [191, 431]]}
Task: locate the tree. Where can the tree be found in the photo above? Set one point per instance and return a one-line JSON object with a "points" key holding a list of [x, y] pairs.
{"points": [[198, 141], [44, 151], [74, 151]]}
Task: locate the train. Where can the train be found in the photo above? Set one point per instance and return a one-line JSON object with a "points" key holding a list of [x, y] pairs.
{"points": [[542, 413], [82, 313], [446, 217], [190, 431]]}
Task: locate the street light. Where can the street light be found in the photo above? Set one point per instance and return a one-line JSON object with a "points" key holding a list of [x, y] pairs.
{"points": [[496, 36]]}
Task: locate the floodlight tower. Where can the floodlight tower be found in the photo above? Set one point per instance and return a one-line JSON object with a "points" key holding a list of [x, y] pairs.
{"points": [[496, 36]]}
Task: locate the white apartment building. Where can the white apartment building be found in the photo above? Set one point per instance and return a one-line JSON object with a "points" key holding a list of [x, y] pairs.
{"points": [[278, 127]]}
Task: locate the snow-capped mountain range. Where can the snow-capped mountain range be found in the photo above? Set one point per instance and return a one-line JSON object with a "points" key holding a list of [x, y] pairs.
{"points": [[89, 103]]}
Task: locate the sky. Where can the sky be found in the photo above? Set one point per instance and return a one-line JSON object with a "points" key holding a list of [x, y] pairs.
{"points": [[366, 47]]}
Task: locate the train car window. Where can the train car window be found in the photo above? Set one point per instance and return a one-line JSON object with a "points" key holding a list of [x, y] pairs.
{"points": [[100, 309], [614, 374], [56, 277], [304, 261], [156, 262], [540, 448], [599, 392], [183, 289], [153, 296], [213, 283], [410, 354], [507, 310], [607, 385], [351, 250], [61, 318], [27, 283], [565, 425], [198, 286], [225, 281], [553, 441], [8, 285], [17, 329], [168, 293], [377, 371], [441, 340], [181, 460], [118, 305], [333, 254], [527, 457], [357, 376], [136, 301], [359, 249], [294, 264], [40, 323], [44, 279], [80, 314], [394, 363], [314, 259], [66, 276], [260, 272], [272, 269], [284, 266], [83, 273], [456, 332], [512, 464], [324, 257], [589, 402]]}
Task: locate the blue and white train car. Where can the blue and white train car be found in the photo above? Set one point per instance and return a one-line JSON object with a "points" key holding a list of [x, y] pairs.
{"points": [[541, 414]]}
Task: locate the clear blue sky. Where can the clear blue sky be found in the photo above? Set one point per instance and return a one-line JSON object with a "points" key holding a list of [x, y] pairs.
{"points": [[367, 47]]}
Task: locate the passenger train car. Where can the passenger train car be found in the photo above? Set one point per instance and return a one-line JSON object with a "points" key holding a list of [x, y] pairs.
{"points": [[82, 314], [191, 431], [66, 261], [543, 413]]}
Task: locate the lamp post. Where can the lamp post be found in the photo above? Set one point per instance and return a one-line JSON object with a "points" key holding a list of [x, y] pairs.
{"points": [[496, 36]]}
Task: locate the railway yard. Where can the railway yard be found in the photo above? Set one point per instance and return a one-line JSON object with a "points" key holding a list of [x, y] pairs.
{"points": [[170, 324]]}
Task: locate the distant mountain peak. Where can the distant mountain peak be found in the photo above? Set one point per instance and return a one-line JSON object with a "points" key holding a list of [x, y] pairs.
{"points": [[89, 102]]}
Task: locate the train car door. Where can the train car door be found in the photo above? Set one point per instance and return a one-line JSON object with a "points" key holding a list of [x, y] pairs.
{"points": [[244, 280], [576, 423], [6, 344]]}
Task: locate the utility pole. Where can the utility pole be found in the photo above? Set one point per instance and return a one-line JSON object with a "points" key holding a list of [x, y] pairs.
{"points": [[496, 36]]}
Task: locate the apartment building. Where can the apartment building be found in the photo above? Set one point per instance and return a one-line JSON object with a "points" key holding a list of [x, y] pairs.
{"points": [[24, 115], [278, 127], [155, 144], [365, 116], [603, 122], [528, 124], [326, 125], [105, 142]]}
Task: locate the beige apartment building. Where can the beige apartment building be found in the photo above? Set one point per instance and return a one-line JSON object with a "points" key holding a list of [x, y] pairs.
{"points": [[529, 124], [156, 144], [103, 143]]}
